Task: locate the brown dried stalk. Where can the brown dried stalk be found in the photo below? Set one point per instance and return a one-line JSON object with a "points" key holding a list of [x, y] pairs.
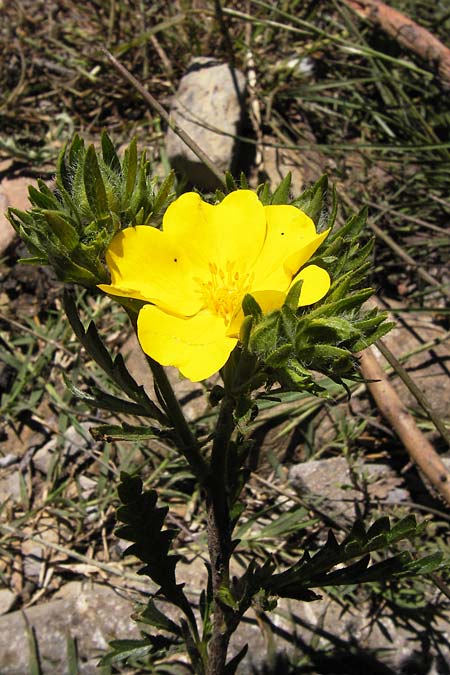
{"points": [[407, 33], [391, 407]]}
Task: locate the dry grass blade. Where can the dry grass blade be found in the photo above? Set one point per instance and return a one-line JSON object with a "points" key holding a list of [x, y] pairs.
{"points": [[165, 116]]}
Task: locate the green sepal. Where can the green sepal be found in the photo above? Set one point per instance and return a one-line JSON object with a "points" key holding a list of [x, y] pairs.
{"points": [[281, 193], [250, 307], [293, 295], [129, 169], [63, 229], [312, 200], [280, 356], [264, 194], [94, 185], [109, 153]]}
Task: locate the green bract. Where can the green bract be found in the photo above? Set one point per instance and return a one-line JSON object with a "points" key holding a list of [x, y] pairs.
{"points": [[290, 343], [95, 196]]}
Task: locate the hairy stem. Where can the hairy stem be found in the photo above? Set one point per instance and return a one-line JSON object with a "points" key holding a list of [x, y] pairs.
{"points": [[219, 538]]}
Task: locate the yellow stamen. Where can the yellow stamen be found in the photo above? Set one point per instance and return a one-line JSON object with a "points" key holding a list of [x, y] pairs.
{"points": [[223, 292]]}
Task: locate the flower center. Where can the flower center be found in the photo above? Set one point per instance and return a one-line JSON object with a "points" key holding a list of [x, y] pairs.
{"points": [[223, 291]]}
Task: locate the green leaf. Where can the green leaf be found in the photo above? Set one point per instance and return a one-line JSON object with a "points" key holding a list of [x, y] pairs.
{"points": [[227, 598], [72, 656], [122, 650], [104, 401], [124, 432], [154, 617], [232, 665], [115, 369], [143, 526]]}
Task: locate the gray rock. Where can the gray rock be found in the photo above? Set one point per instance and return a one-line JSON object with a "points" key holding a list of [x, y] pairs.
{"points": [[74, 443], [8, 460], [208, 106], [7, 600], [91, 613], [331, 487], [10, 487]]}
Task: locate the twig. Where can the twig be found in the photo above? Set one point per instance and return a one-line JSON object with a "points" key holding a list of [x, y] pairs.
{"points": [[391, 407], [414, 389], [153, 103], [407, 33]]}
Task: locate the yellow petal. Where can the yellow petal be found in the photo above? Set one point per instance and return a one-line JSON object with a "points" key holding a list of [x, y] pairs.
{"points": [[230, 232], [197, 346], [316, 284], [291, 240], [147, 265], [293, 263]]}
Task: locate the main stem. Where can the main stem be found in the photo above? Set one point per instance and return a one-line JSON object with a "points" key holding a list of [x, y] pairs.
{"points": [[219, 538]]}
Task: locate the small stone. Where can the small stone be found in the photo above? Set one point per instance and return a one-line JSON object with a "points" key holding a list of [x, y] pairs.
{"points": [[74, 442], [87, 486], [208, 107], [8, 460], [7, 600], [10, 487], [13, 192], [42, 458]]}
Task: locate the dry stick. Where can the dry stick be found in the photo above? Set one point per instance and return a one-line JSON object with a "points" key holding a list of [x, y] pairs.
{"points": [[153, 103], [407, 33], [414, 389], [419, 448]]}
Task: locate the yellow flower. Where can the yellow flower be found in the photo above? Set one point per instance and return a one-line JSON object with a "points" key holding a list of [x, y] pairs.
{"points": [[196, 271]]}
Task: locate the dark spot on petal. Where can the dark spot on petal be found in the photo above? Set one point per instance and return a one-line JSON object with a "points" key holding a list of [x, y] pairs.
{"points": [[175, 260], [282, 233]]}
